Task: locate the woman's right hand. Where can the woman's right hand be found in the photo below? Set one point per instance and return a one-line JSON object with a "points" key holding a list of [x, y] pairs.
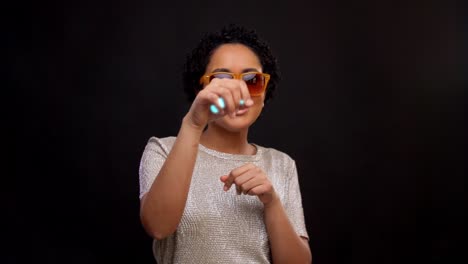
{"points": [[225, 94]]}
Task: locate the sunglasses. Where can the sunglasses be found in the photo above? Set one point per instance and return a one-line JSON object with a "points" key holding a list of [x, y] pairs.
{"points": [[256, 81]]}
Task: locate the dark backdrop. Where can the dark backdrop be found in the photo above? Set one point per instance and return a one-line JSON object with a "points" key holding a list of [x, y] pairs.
{"points": [[370, 107]]}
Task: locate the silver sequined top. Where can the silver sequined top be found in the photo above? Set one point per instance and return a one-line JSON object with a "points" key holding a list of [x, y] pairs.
{"points": [[219, 226]]}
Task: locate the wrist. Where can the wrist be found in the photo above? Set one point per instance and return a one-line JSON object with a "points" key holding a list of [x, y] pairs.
{"points": [[188, 124], [273, 202]]}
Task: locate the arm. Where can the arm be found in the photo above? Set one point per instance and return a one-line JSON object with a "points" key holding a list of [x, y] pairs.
{"points": [[161, 208], [286, 245]]}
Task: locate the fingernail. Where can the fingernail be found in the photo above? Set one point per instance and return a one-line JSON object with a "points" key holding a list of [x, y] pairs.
{"points": [[221, 102], [225, 188], [214, 109], [241, 102], [249, 102]]}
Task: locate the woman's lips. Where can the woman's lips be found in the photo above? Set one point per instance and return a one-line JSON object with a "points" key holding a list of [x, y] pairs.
{"points": [[242, 111]]}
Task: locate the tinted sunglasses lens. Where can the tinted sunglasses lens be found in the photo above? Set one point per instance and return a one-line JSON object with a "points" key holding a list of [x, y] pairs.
{"points": [[221, 75], [255, 82]]}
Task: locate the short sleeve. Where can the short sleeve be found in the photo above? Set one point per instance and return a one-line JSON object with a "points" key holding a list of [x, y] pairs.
{"points": [[293, 204], [151, 162]]}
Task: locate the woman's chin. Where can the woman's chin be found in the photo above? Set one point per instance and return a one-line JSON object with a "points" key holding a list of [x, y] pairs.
{"points": [[243, 119], [234, 124]]}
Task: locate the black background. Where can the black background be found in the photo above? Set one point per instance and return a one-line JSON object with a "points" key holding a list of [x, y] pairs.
{"points": [[370, 107]]}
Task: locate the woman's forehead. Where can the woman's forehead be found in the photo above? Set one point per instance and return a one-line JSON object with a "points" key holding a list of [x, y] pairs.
{"points": [[233, 57]]}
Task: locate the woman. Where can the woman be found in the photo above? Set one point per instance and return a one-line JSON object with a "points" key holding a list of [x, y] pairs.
{"points": [[208, 195]]}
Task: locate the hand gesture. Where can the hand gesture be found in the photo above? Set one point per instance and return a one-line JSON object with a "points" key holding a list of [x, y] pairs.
{"points": [[219, 98], [250, 179]]}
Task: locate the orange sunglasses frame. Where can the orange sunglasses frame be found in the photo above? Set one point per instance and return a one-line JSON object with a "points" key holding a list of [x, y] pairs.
{"points": [[205, 79]]}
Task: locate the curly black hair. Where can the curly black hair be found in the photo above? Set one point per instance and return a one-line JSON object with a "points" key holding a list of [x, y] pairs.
{"points": [[198, 59]]}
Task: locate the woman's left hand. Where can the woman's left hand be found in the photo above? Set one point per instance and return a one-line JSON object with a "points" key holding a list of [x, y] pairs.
{"points": [[250, 179]]}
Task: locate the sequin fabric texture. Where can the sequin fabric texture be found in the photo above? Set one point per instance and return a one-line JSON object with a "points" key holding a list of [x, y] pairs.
{"points": [[219, 226]]}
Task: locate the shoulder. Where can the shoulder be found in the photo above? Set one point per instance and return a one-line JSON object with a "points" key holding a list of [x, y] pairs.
{"points": [[162, 145], [277, 157]]}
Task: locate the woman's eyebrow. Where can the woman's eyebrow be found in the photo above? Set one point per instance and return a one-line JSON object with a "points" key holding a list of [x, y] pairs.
{"points": [[250, 70], [227, 70], [221, 70]]}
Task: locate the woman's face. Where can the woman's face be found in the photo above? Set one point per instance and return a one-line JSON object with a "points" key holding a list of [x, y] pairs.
{"points": [[237, 58]]}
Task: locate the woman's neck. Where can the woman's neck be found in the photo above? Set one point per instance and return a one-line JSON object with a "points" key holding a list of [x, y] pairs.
{"points": [[222, 140]]}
